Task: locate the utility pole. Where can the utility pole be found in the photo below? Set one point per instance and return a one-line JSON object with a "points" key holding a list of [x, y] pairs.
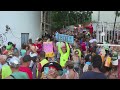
{"points": [[114, 25], [98, 16], [41, 22], [98, 25], [44, 22]]}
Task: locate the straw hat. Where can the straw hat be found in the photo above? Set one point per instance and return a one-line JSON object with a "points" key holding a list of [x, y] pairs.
{"points": [[14, 62]]}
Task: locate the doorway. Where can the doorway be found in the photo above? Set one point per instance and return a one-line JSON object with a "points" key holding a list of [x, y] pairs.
{"points": [[24, 38]]}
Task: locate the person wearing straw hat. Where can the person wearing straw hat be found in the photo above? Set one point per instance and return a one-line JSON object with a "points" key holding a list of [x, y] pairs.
{"points": [[14, 64]]}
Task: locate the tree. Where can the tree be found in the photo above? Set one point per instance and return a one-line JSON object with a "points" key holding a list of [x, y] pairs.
{"points": [[66, 18]]}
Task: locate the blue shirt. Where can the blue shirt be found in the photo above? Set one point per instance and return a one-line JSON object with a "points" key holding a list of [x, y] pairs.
{"points": [[88, 63], [93, 75]]}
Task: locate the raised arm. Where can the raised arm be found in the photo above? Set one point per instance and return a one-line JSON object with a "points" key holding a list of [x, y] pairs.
{"points": [[68, 48], [59, 49]]}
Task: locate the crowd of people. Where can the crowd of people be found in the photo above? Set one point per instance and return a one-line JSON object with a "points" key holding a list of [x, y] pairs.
{"points": [[82, 60]]}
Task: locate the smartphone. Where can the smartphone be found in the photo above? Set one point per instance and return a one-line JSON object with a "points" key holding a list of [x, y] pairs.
{"points": [[46, 70]]}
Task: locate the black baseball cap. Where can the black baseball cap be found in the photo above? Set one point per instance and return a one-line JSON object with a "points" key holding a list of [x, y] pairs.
{"points": [[27, 58], [34, 58]]}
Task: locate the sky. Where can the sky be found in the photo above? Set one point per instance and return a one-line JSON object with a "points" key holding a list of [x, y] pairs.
{"points": [[105, 16]]}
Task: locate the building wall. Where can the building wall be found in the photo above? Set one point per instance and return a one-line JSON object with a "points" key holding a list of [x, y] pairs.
{"points": [[20, 22]]}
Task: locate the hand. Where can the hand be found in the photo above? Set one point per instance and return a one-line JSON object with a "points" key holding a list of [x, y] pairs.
{"points": [[50, 76], [44, 77]]}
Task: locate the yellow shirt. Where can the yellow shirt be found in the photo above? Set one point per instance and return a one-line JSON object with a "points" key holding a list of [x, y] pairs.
{"points": [[6, 71], [108, 61]]}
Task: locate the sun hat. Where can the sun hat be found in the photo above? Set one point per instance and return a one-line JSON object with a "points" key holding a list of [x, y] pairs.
{"points": [[14, 62]]}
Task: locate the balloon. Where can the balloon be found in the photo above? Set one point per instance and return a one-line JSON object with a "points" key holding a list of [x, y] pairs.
{"points": [[9, 47]]}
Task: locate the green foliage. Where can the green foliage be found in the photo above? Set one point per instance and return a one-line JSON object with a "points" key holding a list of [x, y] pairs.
{"points": [[66, 18]]}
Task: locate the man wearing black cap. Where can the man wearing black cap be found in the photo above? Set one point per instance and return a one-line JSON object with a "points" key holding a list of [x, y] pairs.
{"points": [[95, 73], [25, 66]]}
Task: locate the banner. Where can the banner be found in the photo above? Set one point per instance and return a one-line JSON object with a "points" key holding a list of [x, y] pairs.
{"points": [[48, 49], [64, 38]]}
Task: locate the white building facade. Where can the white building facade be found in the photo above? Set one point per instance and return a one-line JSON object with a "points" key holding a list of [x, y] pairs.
{"points": [[23, 26], [104, 22]]}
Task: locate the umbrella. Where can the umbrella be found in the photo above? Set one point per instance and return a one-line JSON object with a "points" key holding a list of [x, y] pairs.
{"points": [[55, 64]]}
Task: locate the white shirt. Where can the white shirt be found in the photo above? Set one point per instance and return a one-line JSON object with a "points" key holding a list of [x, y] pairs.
{"points": [[85, 68], [32, 55], [118, 57]]}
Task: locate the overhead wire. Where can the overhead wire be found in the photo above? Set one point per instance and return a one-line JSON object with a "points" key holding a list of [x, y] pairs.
{"points": [[14, 35]]}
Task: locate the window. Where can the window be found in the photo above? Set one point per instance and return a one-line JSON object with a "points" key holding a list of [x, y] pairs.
{"points": [[24, 38]]}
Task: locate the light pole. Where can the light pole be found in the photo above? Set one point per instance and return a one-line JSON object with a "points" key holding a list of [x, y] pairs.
{"points": [[114, 25], [97, 26], [98, 16]]}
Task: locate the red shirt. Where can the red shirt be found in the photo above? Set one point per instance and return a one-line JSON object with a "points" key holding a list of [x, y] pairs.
{"points": [[26, 70], [91, 30], [83, 46], [39, 47]]}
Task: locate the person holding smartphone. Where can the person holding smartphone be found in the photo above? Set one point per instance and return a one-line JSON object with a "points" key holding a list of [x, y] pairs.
{"points": [[51, 72]]}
